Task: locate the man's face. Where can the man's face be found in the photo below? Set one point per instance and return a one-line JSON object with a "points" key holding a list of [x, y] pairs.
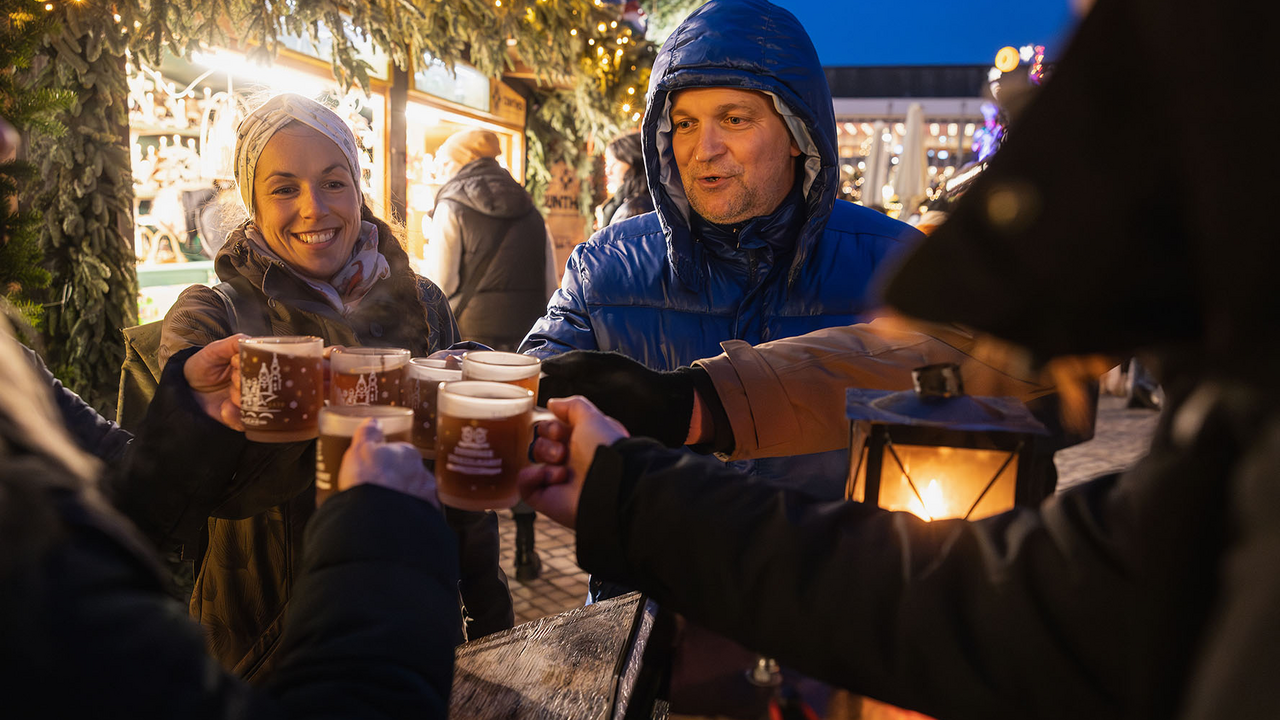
{"points": [[735, 156]]}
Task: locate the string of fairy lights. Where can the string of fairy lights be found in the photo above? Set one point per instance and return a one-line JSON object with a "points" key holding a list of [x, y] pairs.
{"points": [[613, 54]]}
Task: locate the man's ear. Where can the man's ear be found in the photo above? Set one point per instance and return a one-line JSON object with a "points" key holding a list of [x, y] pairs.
{"points": [[795, 149]]}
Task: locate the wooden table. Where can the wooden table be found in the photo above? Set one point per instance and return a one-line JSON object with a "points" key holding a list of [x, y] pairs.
{"points": [[605, 661]]}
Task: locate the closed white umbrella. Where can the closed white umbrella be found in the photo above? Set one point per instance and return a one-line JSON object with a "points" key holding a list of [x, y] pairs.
{"points": [[877, 168], [911, 184]]}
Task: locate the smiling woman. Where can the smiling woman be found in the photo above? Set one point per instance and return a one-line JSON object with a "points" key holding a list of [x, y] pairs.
{"points": [[307, 202], [311, 260]]}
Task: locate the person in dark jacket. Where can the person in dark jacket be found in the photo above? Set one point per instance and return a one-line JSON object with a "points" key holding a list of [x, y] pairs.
{"points": [[487, 246], [625, 181], [748, 241], [89, 632], [1146, 595], [93, 433]]}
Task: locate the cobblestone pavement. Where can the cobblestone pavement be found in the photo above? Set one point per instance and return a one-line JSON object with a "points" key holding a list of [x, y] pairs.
{"points": [[1121, 439], [562, 585]]}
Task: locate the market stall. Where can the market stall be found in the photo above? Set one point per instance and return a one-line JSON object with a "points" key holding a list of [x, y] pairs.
{"points": [[183, 116]]}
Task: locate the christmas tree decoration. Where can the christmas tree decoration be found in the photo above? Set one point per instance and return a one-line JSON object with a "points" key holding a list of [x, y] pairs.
{"points": [[28, 109], [589, 60]]}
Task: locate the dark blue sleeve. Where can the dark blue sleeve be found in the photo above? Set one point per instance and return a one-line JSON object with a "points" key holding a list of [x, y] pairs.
{"points": [[444, 326], [566, 326], [94, 434]]}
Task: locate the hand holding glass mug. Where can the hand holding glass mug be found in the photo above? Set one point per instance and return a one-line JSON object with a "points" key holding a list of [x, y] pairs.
{"points": [[213, 374], [373, 460], [565, 449], [339, 425]]}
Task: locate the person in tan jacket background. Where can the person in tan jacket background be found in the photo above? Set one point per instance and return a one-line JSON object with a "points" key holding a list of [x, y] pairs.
{"points": [[786, 397]]}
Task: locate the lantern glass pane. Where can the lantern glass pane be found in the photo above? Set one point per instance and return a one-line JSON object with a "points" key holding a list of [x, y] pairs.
{"points": [[947, 481]]}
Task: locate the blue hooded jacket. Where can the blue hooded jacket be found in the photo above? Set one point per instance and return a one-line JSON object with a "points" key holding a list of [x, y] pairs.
{"points": [[666, 288]]}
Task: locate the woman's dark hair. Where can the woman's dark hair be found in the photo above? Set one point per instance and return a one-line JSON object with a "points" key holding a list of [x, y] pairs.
{"points": [[627, 148], [404, 281]]}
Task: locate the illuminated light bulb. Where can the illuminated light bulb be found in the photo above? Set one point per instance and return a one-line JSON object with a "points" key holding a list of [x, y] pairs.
{"points": [[117, 17], [599, 50], [635, 117], [933, 128], [600, 27], [613, 24], [943, 154], [968, 130], [136, 24], [626, 107], [953, 129], [573, 31], [48, 6], [942, 138], [631, 91], [497, 3], [591, 41]]}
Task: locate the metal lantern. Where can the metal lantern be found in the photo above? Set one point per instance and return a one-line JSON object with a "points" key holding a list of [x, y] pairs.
{"points": [[939, 453]]}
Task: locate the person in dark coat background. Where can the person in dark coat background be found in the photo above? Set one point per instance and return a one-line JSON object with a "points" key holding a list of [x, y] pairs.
{"points": [[488, 248], [1146, 595], [625, 181]]}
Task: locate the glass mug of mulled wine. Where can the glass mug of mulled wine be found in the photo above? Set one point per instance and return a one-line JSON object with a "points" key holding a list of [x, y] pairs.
{"points": [[482, 441], [337, 428], [419, 393], [281, 387], [367, 375], [503, 367]]}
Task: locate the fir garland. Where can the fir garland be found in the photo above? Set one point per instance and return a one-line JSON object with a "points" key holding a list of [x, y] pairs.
{"points": [[28, 110], [87, 202], [592, 71]]}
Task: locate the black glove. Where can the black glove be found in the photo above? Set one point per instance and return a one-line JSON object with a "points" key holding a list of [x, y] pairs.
{"points": [[648, 402]]}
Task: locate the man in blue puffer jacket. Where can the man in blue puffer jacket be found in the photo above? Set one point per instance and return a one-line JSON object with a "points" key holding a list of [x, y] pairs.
{"points": [[748, 241]]}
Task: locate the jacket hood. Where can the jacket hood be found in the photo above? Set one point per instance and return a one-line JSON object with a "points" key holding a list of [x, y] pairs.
{"points": [[484, 186], [748, 45]]}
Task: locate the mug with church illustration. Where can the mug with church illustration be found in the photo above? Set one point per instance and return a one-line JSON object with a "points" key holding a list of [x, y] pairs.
{"points": [[367, 375], [483, 433], [281, 387]]}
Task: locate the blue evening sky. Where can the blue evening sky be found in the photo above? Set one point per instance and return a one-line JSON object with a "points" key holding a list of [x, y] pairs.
{"points": [[929, 32]]}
